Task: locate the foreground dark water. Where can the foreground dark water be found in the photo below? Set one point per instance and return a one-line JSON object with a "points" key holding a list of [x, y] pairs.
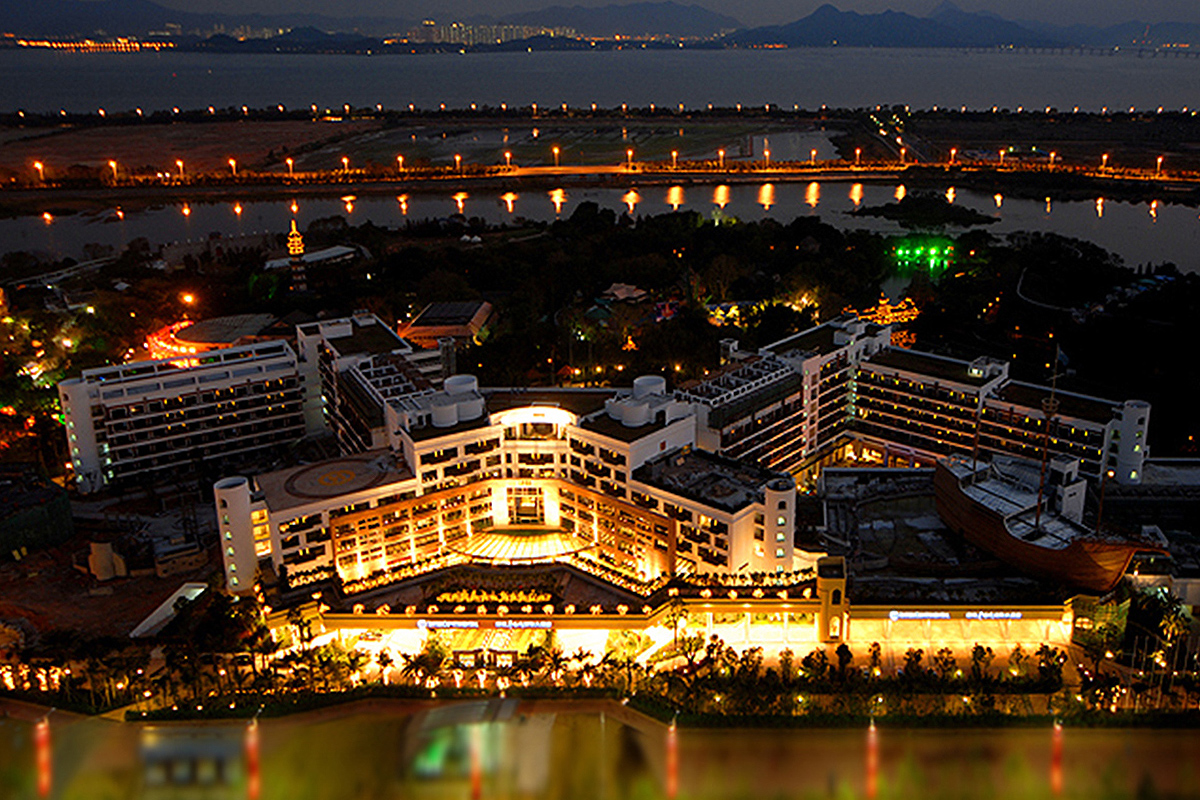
{"points": [[562, 751], [839, 77]]}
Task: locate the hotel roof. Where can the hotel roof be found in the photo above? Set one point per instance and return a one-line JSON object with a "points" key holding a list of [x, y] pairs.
{"points": [[579, 402], [708, 478], [226, 330], [372, 339], [1080, 406], [940, 367], [298, 486]]}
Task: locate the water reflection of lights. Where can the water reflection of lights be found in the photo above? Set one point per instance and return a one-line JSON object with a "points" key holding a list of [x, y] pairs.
{"points": [[120, 214], [950, 195], [856, 194], [508, 198], [460, 198], [766, 196], [186, 210], [999, 198], [1154, 210], [812, 194], [631, 199], [1100, 207], [403, 201], [1048, 206], [558, 197], [721, 195], [237, 209], [349, 201], [900, 192], [675, 197], [47, 217], [295, 207]]}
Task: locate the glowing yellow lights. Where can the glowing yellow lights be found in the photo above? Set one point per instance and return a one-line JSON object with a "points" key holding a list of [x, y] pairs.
{"points": [[233, 166], [555, 150], [953, 154], [295, 207], [400, 163], [458, 162], [187, 298], [291, 164], [508, 198], [675, 197], [348, 200], [459, 199], [558, 197], [629, 157], [237, 209], [950, 195], [41, 170], [507, 159], [1100, 208], [998, 199], [631, 199], [721, 195], [857, 156], [812, 156], [856, 194], [113, 166], [721, 159], [1104, 161], [900, 193], [295, 242], [186, 210], [402, 200], [812, 194], [674, 159], [47, 217], [345, 163], [1154, 210], [766, 196]]}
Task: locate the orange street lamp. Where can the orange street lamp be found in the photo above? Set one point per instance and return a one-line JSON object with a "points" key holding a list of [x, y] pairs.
{"points": [[179, 165], [1158, 166], [555, 151], [507, 158], [188, 298], [1053, 155], [113, 166], [1002, 158], [291, 163], [629, 157], [953, 153], [812, 157], [903, 151], [721, 158], [400, 163], [233, 166], [857, 156], [674, 159], [1104, 161], [345, 163], [458, 162], [766, 156], [41, 170]]}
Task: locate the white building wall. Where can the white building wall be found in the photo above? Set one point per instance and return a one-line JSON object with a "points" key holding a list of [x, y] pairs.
{"points": [[236, 532], [77, 399]]}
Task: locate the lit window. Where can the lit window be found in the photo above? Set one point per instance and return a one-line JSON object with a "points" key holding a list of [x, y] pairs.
{"points": [[779, 552], [229, 552], [234, 580], [781, 521], [228, 535], [781, 536]]}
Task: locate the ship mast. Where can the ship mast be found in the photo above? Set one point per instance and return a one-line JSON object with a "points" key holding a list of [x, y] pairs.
{"points": [[1049, 411]]}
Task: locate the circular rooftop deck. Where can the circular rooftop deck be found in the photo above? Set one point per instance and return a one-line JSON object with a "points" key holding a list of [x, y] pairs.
{"points": [[333, 478]]}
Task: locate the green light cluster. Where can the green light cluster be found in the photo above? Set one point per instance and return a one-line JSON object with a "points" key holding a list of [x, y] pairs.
{"points": [[932, 255]]}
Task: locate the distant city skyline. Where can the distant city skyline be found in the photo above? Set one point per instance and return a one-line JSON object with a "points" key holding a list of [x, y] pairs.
{"points": [[751, 12]]}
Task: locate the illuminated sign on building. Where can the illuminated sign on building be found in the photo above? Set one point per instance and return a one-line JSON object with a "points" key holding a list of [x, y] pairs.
{"points": [[896, 614], [439, 624], [993, 615], [514, 624]]}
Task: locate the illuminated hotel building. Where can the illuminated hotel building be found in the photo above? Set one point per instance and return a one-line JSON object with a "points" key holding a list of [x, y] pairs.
{"points": [[608, 481], [627, 484], [156, 420]]}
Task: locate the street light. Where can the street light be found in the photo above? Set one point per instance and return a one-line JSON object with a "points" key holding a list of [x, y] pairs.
{"points": [[290, 164], [721, 158], [555, 150], [41, 170], [508, 159], [1002, 158], [1053, 155], [1104, 161], [766, 157], [674, 159], [179, 164], [953, 153], [1158, 166], [345, 163], [857, 156], [113, 166], [629, 157], [903, 150], [458, 162], [400, 163], [812, 157], [233, 166]]}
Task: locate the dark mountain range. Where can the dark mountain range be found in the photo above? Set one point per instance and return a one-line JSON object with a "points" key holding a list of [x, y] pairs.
{"points": [[635, 19], [948, 27]]}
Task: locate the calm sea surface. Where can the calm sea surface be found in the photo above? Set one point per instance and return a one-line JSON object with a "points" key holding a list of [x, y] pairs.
{"points": [[845, 77]]}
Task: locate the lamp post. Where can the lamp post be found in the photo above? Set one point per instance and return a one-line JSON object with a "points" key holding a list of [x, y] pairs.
{"points": [[812, 156], [291, 163], [41, 170], [1158, 166], [1002, 158], [345, 163], [233, 166], [629, 158], [903, 151], [113, 166], [721, 158], [674, 159], [458, 163], [555, 150], [1104, 161], [953, 153], [508, 159], [179, 165], [767, 157], [857, 156]]}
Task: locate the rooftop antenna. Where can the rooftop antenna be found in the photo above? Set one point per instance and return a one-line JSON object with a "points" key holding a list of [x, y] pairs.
{"points": [[1049, 411]]}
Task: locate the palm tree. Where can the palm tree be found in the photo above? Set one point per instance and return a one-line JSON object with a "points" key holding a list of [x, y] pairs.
{"points": [[384, 660]]}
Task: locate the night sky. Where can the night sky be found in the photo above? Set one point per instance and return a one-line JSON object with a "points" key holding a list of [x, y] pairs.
{"points": [[753, 12]]}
